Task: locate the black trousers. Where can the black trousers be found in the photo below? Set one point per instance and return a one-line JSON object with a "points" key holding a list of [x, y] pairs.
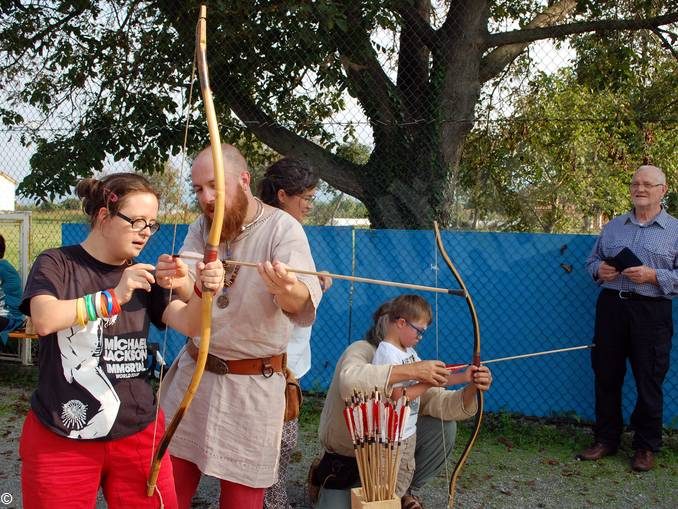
{"points": [[641, 331]]}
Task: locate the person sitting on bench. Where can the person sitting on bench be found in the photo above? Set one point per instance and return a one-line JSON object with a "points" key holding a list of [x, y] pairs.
{"points": [[10, 296]]}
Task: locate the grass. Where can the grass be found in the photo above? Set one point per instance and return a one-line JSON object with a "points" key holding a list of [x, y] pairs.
{"points": [[16, 376], [16, 383], [527, 462]]}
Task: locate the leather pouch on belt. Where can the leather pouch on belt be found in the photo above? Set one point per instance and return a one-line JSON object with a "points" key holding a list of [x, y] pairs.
{"points": [[293, 397]]}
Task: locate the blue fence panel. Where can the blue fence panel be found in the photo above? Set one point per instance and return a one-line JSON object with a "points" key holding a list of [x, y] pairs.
{"points": [[531, 291]]}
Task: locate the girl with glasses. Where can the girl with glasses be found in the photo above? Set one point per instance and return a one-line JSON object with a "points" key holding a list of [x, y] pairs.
{"points": [[91, 420], [333, 475]]}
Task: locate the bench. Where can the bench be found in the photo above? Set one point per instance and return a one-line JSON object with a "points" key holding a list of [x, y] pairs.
{"points": [[24, 338]]}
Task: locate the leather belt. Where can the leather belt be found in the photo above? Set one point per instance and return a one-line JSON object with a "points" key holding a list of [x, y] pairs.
{"points": [[265, 366], [627, 295]]}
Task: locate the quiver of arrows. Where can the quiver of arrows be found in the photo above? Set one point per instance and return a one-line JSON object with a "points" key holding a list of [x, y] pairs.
{"points": [[375, 425]]}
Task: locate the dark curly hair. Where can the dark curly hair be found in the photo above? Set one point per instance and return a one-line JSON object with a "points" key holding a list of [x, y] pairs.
{"points": [[290, 175]]}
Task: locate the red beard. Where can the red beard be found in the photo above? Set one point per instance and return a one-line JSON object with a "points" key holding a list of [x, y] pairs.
{"points": [[234, 216]]}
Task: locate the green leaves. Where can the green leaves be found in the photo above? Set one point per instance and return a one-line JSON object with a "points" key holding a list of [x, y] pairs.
{"points": [[108, 81], [569, 150]]}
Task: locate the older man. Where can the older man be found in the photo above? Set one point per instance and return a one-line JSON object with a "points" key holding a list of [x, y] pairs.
{"points": [[633, 317], [233, 428]]}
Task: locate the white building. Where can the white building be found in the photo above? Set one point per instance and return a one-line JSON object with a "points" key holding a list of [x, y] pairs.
{"points": [[349, 221], [7, 192]]}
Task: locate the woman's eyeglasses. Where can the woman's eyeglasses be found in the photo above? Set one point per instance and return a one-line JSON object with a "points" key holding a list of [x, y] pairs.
{"points": [[140, 224]]}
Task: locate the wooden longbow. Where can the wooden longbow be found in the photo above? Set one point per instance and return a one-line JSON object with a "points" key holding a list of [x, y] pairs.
{"points": [[211, 249], [475, 361]]}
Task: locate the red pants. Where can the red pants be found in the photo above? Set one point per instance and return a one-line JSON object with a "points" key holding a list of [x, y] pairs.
{"points": [[233, 495], [66, 473]]}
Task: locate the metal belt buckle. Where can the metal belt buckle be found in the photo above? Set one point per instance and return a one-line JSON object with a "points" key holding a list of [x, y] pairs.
{"points": [[267, 368], [220, 366], [622, 294]]}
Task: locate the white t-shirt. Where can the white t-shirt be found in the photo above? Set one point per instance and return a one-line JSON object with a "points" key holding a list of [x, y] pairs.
{"points": [[299, 351], [388, 354]]}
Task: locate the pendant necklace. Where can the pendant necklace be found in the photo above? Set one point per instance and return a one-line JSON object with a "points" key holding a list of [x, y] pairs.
{"points": [[230, 272], [257, 216]]}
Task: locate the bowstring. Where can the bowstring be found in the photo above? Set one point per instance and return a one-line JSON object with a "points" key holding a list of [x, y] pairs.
{"points": [[182, 166], [436, 270]]}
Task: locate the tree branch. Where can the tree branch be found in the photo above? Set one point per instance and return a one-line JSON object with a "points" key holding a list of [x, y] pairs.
{"points": [[528, 35], [660, 35], [366, 78], [416, 40], [413, 19], [331, 168], [497, 60]]}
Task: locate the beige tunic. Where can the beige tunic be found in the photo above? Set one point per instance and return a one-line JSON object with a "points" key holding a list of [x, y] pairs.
{"points": [[233, 427], [356, 371]]}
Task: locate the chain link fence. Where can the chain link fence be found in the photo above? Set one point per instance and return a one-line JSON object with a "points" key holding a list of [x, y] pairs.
{"points": [[409, 113]]}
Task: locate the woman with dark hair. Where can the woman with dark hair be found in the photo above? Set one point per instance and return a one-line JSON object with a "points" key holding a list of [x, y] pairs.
{"points": [[91, 418], [290, 185]]}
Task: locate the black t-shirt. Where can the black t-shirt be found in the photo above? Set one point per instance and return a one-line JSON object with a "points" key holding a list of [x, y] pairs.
{"points": [[91, 382]]}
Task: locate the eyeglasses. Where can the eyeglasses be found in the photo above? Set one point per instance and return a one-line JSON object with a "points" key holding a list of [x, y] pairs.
{"points": [[637, 185], [140, 224], [420, 332]]}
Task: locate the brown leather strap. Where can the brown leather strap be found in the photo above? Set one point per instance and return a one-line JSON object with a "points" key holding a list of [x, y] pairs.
{"points": [[265, 366]]}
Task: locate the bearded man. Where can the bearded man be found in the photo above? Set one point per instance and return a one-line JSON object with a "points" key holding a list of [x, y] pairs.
{"points": [[233, 428]]}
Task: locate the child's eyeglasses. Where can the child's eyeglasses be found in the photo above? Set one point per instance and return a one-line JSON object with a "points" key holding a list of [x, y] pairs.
{"points": [[420, 331]]}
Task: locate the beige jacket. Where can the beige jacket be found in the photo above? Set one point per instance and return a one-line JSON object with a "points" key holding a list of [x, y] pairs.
{"points": [[355, 371]]}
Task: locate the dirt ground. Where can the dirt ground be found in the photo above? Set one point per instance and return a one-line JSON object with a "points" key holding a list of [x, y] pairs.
{"points": [[514, 464]]}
